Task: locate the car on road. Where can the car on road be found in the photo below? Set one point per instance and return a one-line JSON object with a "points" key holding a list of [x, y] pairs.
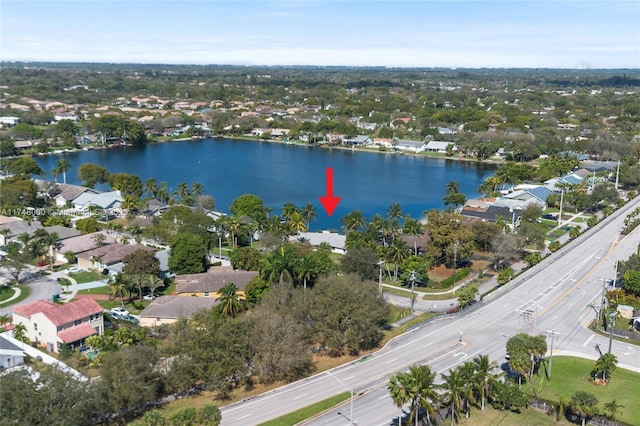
{"points": [[120, 311], [74, 270]]}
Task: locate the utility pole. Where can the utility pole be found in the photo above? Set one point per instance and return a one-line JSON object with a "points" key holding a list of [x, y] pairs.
{"points": [[380, 263], [560, 214], [413, 294], [553, 335], [455, 262], [617, 175], [612, 318]]}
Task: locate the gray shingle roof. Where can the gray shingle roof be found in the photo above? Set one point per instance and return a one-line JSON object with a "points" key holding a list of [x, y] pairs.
{"points": [[177, 306]]}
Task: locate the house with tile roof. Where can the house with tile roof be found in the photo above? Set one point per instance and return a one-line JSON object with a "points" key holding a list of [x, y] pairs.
{"points": [[169, 309], [209, 284], [80, 243], [109, 254], [51, 325]]}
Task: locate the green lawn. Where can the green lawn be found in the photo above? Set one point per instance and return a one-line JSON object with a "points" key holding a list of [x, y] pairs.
{"points": [[7, 293], [87, 277], [570, 375], [307, 412]]}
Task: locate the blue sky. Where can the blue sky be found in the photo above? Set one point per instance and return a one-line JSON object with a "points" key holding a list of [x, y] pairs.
{"points": [[422, 33]]}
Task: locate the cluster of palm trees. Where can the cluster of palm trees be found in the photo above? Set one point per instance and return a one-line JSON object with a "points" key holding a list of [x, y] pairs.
{"points": [[382, 235], [121, 285], [182, 194], [460, 389]]}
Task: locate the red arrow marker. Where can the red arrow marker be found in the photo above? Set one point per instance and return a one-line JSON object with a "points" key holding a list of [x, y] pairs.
{"points": [[329, 202]]}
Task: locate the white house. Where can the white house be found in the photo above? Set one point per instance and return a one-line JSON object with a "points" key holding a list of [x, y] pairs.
{"points": [[10, 354], [413, 146], [438, 146], [50, 325]]}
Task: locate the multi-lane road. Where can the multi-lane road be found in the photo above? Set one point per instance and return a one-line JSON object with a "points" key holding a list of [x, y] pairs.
{"points": [[553, 296]]}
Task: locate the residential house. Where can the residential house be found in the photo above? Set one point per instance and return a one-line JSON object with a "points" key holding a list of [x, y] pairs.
{"points": [[104, 257], [10, 354], [537, 195], [12, 227], [51, 325], [492, 214], [336, 241], [209, 284], [383, 142], [105, 200], [80, 244], [21, 146], [9, 121], [169, 309], [439, 147], [360, 140], [413, 146], [66, 193]]}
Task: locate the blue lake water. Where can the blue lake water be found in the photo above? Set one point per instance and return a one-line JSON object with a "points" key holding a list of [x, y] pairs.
{"points": [[279, 173]]}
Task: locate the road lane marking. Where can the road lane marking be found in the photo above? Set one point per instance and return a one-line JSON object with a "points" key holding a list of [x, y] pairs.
{"points": [[244, 417], [588, 340], [391, 360], [299, 396]]}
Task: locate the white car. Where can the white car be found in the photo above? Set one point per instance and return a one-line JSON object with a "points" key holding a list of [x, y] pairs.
{"points": [[74, 270], [148, 297], [119, 311]]}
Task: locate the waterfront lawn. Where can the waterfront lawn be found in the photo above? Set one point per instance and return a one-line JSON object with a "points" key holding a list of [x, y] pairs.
{"points": [[570, 375], [528, 417]]}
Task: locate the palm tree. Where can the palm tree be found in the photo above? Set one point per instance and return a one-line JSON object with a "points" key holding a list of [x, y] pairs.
{"points": [[55, 172], [454, 389], [353, 221], [584, 404], [51, 240], [394, 214], [297, 223], [309, 213], [306, 268], [63, 167], [230, 304], [151, 188], [196, 190], [153, 282], [288, 210], [483, 377], [613, 408], [118, 285], [182, 191], [4, 319], [467, 374], [279, 265], [399, 252], [605, 365], [413, 227], [19, 332], [520, 362], [416, 387]]}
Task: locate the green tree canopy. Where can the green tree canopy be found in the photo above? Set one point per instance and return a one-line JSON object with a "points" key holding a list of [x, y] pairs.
{"points": [[188, 254]]}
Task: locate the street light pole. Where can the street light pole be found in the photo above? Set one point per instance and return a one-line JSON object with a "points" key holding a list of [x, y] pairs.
{"points": [[552, 334], [350, 390], [612, 318], [413, 294]]}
